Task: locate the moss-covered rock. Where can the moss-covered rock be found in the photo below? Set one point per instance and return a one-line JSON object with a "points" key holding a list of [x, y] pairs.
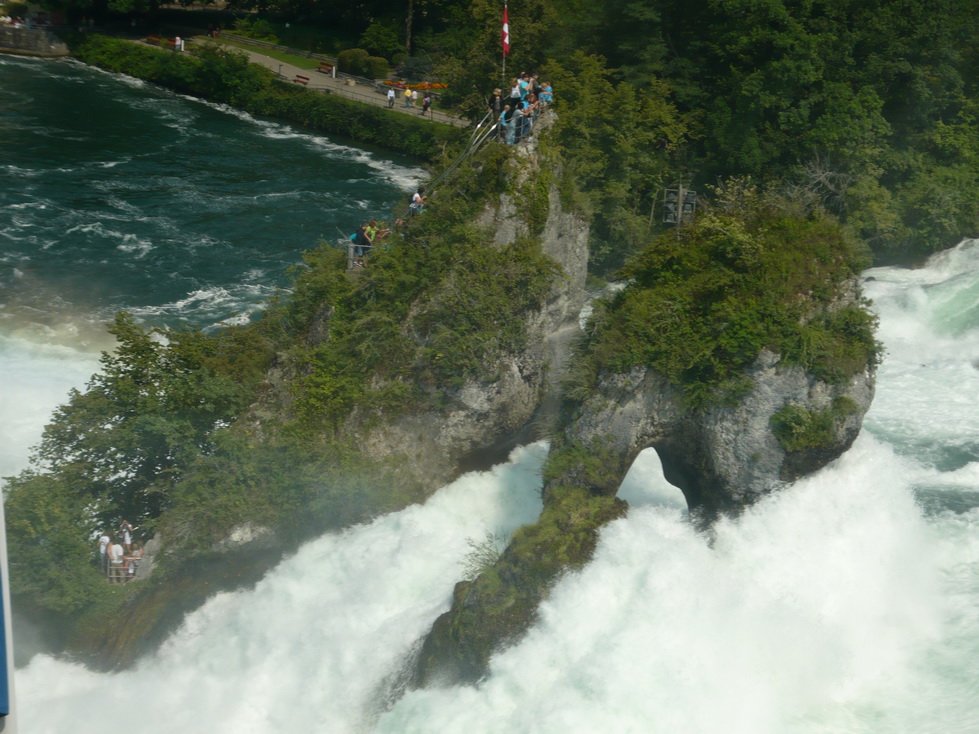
{"points": [[500, 604]]}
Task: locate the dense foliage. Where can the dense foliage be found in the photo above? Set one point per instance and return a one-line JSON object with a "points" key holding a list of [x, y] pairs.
{"points": [[437, 306], [119, 448], [157, 437], [870, 106], [704, 300]]}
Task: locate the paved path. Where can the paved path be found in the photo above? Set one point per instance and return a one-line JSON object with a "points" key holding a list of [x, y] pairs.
{"points": [[360, 92]]}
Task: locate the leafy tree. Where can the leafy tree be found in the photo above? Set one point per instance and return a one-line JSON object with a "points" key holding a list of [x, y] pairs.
{"points": [[152, 408], [381, 40], [617, 141], [48, 527]]}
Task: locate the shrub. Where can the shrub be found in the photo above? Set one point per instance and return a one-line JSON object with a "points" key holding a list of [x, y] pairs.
{"points": [[258, 29], [354, 61], [377, 67], [797, 428], [705, 299], [381, 40]]}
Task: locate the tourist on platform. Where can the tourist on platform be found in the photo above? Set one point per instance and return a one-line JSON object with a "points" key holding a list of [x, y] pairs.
{"points": [[116, 554], [104, 541], [126, 534], [417, 201], [496, 103]]}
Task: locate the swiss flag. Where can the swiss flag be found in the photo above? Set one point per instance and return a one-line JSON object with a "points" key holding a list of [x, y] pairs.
{"points": [[506, 31]]}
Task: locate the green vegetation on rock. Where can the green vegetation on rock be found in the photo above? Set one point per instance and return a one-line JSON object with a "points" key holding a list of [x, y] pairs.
{"points": [[859, 120], [755, 272], [797, 428], [434, 309]]}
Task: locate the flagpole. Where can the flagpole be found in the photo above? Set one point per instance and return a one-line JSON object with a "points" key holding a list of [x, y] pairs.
{"points": [[506, 40]]}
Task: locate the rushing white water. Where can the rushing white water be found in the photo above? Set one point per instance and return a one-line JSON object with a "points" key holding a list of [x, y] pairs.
{"points": [[36, 379], [848, 603]]}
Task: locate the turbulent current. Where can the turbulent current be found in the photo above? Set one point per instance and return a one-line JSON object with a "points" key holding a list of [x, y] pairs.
{"points": [[849, 602]]}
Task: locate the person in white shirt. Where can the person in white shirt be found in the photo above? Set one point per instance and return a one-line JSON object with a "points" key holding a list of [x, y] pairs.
{"points": [[104, 541], [116, 554]]}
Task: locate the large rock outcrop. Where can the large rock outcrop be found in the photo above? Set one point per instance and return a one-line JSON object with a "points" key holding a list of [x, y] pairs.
{"points": [[727, 456], [723, 457], [482, 421]]}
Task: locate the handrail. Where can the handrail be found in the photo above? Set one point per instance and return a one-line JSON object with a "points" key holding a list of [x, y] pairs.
{"points": [[481, 133], [479, 136]]}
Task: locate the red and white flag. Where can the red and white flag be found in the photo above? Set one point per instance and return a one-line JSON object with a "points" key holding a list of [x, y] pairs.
{"points": [[506, 31]]}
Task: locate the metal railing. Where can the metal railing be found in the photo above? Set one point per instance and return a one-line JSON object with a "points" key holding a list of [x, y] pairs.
{"points": [[481, 133]]}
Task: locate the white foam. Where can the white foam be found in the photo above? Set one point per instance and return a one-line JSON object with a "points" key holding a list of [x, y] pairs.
{"points": [[136, 245], [406, 178], [211, 304], [928, 382], [812, 602]]}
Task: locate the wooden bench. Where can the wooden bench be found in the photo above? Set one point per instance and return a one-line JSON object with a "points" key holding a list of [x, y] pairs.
{"points": [[300, 79], [325, 68]]}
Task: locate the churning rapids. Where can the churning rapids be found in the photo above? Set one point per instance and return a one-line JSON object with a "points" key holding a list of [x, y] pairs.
{"points": [[847, 603]]}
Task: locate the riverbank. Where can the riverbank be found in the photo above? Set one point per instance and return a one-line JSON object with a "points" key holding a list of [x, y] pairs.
{"points": [[230, 77], [342, 85]]}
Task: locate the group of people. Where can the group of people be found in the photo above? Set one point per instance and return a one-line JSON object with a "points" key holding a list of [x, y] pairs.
{"points": [[517, 111], [411, 99], [516, 114], [119, 556], [366, 236]]}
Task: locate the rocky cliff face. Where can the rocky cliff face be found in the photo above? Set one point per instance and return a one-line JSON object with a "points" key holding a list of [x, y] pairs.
{"points": [[726, 457], [483, 421]]}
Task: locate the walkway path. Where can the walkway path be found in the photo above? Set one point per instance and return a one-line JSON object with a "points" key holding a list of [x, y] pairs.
{"points": [[360, 92]]}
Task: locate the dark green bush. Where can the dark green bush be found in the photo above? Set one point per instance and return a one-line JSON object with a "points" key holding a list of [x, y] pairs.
{"points": [[377, 68], [354, 61], [797, 428]]}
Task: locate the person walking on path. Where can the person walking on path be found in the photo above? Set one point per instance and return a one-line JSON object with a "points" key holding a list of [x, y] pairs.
{"points": [[390, 97], [426, 103], [407, 97]]}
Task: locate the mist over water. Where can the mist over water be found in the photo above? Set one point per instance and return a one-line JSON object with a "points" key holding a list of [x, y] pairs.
{"points": [[848, 603], [36, 379], [311, 647]]}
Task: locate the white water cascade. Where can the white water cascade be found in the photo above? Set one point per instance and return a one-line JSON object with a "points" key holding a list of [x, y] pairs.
{"points": [[848, 603]]}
